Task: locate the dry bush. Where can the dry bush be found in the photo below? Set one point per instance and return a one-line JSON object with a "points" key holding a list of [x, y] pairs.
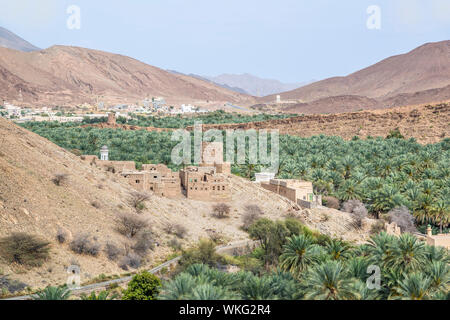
{"points": [[130, 260], [145, 241], [137, 199], [11, 286], [83, 244], [358, 211], [403, 218], [331, 202], [215, 236], [61, 236], [176, 229], [131, 224], [221, 210], [60, 178], [24, 249], [175, 244], [254, 209], [112, 251], [377, 227]]}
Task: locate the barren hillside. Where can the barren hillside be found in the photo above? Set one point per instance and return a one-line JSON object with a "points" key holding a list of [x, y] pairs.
{"points": [[91, 199], [62, 75], [427, 124]]}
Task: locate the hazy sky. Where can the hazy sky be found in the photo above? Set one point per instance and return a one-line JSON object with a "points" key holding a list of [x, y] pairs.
{"points": [[289, 40]]}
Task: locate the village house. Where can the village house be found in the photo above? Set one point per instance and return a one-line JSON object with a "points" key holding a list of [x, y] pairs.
{"points": [[208, 182], [300, 192]]}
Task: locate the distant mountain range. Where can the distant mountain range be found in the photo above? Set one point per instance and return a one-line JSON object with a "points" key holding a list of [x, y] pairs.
{"points": [[247, 83], [253, 85], [13, 41], [63, 75]]}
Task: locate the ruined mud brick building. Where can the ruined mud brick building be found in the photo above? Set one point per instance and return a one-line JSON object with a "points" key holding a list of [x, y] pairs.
{"points": [[208, 182], [300, 192]]}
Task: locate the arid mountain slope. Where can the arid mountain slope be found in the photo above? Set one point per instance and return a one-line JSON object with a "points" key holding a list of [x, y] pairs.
{"points": [[91, 199], [428, 124], [426, 67], [63, 75]]}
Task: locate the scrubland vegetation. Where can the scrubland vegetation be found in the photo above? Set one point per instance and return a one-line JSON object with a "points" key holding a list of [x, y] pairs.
{"points": [[295, 263]]}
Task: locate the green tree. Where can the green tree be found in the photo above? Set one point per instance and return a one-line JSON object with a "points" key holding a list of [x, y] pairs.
{"points": [[143, 286]]}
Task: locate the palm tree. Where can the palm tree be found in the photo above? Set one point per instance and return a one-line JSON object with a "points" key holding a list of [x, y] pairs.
{"points": [[328, 281], [103, 295], [209, 292], [298, 253], [53, 293], [178, 289], [257, 289], [439, 273], [337, 249], [414, 286], [441, 213], [407, 253]]}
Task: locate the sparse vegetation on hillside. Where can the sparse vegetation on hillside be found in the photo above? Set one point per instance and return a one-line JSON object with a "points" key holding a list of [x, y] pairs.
{"points": [[24, 249]]}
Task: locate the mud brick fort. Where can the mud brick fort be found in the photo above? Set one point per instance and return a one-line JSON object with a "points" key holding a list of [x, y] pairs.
{"points": [[208, 182]]}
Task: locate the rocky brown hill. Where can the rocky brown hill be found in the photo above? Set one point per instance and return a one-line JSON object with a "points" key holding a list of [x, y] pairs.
{"points": [[62, 75]]}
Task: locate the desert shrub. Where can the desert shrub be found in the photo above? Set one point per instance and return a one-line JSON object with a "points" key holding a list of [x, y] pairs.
{"points": [[403, 218], [251, 214], [145, 241], [221, 210], [215, 236], [83, 244], [24, 249], [60, 178], [11, 286], [358, 211], [203, 253], [176, 229], [112, 251], [271, 235], [131, 224], [61, 236], [137, 199], [377, 227], [331, 202], [395, 134], [175, 244], [143, 286], [131, 260], [180, 231]]}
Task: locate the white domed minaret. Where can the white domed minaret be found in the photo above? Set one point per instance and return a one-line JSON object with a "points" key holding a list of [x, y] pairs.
{"points": [[104, 153]]}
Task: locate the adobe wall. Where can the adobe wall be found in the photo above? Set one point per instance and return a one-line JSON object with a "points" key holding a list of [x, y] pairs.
{"points": [[440, 240]]}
